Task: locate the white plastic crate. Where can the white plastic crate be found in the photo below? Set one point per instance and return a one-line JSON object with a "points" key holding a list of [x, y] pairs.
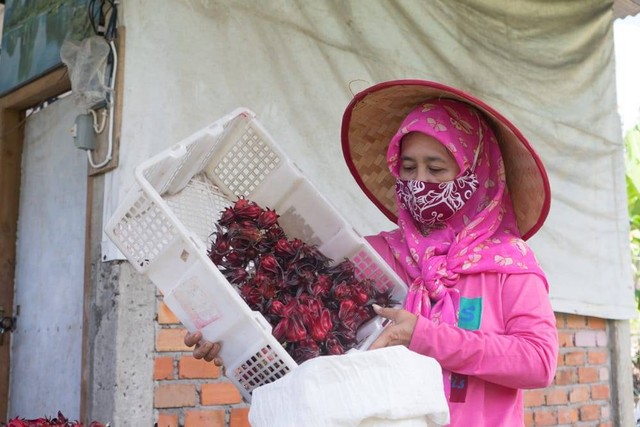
{"points": [[164, 223]]}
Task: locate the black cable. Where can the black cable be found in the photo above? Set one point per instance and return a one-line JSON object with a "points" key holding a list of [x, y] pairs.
{"points": [[97, 11], [94, 15], [112, 26]]}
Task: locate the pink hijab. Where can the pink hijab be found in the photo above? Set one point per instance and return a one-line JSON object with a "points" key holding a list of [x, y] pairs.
{"points": [[481, 237]]}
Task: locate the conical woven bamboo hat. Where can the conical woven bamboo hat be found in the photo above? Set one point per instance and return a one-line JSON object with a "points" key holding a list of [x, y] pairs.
{"points": [[373, 117]]}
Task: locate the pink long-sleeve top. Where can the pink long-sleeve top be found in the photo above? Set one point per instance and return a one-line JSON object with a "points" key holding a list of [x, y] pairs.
{"points": [[505, 341]]}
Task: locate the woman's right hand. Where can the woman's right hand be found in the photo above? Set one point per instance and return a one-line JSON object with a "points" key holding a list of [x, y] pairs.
{"points": [[206, 350]]}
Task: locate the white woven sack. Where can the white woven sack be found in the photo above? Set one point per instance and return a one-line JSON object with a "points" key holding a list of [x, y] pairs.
{"points": [[387, 387]]}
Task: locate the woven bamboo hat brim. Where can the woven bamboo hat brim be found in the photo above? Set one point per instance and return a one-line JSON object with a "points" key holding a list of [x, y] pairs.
{"points": [[373, 117]]}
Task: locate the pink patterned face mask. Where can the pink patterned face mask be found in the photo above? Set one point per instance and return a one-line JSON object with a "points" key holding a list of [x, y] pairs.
{"points": [[432, 203]]}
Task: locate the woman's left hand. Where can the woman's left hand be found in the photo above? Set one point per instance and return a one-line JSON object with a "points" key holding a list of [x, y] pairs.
{"points": [[397, 333]]}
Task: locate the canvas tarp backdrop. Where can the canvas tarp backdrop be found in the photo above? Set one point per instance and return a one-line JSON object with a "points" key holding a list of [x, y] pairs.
{"points": [[548, 66]]}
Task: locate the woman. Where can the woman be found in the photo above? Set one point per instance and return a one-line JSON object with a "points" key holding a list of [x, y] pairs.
{"points": [[478, 300]]}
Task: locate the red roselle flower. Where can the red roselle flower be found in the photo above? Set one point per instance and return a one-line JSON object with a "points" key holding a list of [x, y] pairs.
{"points": [[345, 271], [284, 249], [321, 326], [269, 264], [276, 307], [333, 345], [268, 290], [248, 211], [236, 275], [60, 421], [291, 329], [305, 350], [351, 314], [234, 259], [248, 233], [227, 217], [297, 244], [274, 234], [321, 287], [221, 246], [267, 218], [241, 203], [360, 295], [341, 291], [252, 296]]}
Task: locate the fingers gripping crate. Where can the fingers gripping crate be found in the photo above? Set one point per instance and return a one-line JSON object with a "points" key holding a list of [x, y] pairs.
{"points": [[164, 223]]}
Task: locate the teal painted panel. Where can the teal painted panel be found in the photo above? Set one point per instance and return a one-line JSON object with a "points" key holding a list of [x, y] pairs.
{"points": [[32, 34]]}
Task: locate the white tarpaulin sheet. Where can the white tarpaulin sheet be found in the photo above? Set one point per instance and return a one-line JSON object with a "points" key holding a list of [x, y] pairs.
{"points": [[547, 65]]}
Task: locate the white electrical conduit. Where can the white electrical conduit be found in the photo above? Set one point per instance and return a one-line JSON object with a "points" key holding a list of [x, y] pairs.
{"points": [[110, 103], [96, 128]]}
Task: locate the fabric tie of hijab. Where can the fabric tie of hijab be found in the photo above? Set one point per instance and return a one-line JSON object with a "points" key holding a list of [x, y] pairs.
{"points": [[481, 237], [433, 300]]}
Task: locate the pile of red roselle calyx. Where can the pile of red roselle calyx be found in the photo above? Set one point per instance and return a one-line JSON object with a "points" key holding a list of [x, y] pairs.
{"points": [[315, 308], [59, 421]]}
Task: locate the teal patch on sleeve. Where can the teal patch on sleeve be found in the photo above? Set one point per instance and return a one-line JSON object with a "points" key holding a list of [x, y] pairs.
{"points": [[470, 313]]}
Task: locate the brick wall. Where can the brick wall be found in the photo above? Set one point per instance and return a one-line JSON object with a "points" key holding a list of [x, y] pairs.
{"points": [[192, 393], [580, 394]]}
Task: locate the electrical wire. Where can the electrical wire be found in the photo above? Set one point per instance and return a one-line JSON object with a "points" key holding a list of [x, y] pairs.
{"points": [[98, 11], [111, 106], [99, 129]]}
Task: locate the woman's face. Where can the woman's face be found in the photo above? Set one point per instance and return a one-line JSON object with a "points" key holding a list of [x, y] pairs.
{"points": [[425, 159]]}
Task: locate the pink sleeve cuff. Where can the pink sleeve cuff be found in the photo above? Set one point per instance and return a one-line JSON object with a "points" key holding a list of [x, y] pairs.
{"points": [[419, 339]]}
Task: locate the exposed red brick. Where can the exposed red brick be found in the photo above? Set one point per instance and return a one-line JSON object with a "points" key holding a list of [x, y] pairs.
{"points": [[575, 358], [566, 376], [190, 367], [600, 392], [167, 420], [561, 321], [163, 368], [575, 321], [171, 340], [545, 417], [204, 419], [239, 417], [222, 393], [557, 396], [579, 394], [565, 339], [597, 357], [533, 398], [596, 323], [174, 395], [588, 375], [567, 416], [581, 391], [589, 412], [528, 418]]}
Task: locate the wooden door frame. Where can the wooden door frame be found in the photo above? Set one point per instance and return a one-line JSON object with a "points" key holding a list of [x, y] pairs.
{"points": [[12, 119]]}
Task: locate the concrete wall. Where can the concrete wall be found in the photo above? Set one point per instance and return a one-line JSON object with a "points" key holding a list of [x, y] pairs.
{"points": [[121, 361], [121, 333]]}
